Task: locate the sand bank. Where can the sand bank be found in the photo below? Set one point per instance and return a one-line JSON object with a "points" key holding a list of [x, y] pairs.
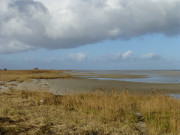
{"points": [[88, 85]]}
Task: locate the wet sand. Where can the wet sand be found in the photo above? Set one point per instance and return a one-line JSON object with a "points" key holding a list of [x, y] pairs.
{"points": [[87, 85], [115, 76]]}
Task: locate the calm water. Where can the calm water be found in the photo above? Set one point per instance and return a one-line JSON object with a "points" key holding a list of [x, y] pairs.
{"points": [[155, 76]]}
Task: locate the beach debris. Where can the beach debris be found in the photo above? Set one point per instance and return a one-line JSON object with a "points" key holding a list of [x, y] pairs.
{"points": [[139, 116], [42, 101], [140, 125]]}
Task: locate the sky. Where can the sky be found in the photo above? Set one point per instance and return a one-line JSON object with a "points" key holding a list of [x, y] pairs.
{"points": [[90, 34]]}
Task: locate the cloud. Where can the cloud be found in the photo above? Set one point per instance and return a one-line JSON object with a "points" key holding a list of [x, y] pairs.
{"points": [[128, 56], [57, 24], [151, 56], [13, 46], [79, 57]]}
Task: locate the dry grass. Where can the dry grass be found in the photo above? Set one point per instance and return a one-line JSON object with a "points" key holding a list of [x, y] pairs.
{"points": [[25, 112], [24, 75]]}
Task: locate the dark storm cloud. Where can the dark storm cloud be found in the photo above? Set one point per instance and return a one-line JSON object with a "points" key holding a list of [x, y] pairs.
{"points": [[32, 24]]}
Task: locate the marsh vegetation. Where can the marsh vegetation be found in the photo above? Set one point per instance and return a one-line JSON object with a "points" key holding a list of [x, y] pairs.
{"points": [[25, 75], [40, 112]]}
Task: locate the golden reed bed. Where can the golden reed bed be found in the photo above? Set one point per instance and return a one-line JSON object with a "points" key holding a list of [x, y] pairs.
{"points": [[24, 75], [40, 112]]}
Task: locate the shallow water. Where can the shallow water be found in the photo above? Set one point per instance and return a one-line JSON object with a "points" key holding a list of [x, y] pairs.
{"points": [[153, 76], [175, 95], [146, 80]]}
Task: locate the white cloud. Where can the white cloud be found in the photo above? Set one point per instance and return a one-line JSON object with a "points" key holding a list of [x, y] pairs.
{"points": [[128, 55], [151, 56], [79, 57], [67, 24]]}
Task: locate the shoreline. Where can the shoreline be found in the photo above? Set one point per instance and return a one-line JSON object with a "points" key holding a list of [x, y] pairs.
{"points": [[83, 85]]}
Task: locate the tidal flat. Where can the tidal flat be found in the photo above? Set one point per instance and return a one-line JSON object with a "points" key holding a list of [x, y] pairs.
{"points": [[86, 81]]}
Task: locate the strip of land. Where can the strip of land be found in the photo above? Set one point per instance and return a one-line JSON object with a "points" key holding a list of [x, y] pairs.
{"points": [[61, 83]]}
